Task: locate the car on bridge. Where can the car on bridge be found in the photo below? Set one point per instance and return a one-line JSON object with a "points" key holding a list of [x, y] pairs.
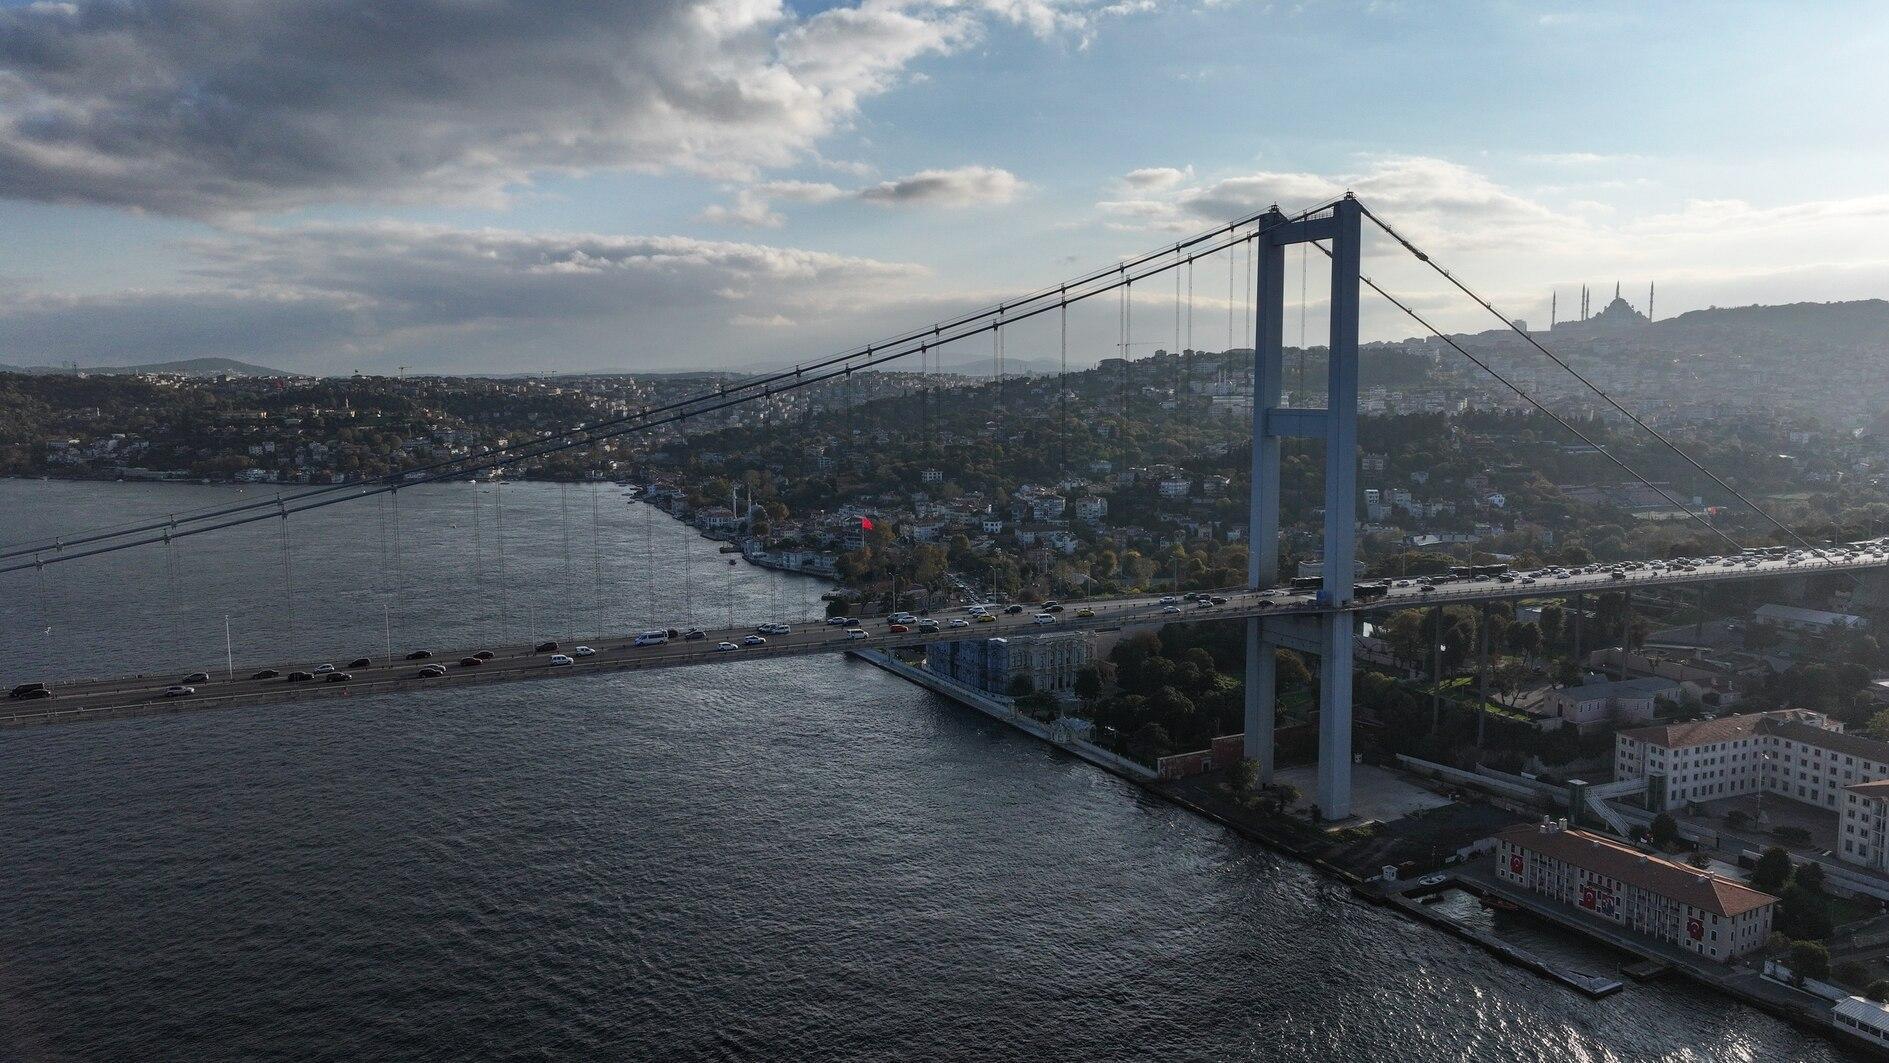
{"points": [[651, 638], [197, 677], [432, 671], [899, 629], [547, 647], [928, 625], [774, 629], [724, 647], [179, 691], [419, 655], [694, 634], [323, 669], [299, 677], [1084, 613], [958, 621], [1013, 610], [584, 651], [1043, 618], [361, 662], [754, 640], [470, 662], [558, 659], [266, 673], [30, 691], [340, 677], [855, 633], [485, 655], [986, 618], [1170, 609]]}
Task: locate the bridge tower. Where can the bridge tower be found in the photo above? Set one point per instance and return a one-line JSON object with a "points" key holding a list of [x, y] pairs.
{"points": [[1327, 634]]}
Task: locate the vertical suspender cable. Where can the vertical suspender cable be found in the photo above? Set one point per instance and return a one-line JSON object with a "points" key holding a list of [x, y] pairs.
{"points": [[1128, 347], [596, 564], [1062, 429], [498, 531], [288, 584], [1233, 294], [570, 575], [1246, 290], [1190, 302], [479, 614], [649, 563], [400, 565]]}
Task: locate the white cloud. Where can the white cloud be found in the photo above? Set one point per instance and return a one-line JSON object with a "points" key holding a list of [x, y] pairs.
{"points": [[319, 296], [1157, 178], [962, 187], [220, 107]]}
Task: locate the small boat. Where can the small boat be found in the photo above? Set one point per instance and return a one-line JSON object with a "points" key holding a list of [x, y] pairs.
{"points": [[1501, 904], [730, 548]]}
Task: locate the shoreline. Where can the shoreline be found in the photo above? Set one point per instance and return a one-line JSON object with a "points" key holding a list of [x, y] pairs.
{"points": [[1367, 890]]}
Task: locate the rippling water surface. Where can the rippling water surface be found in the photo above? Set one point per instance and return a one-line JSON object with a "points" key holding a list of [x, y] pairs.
{"points": [[799, 860]]}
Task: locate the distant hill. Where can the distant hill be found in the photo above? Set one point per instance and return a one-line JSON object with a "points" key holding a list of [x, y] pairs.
{"points": [[184, 367], [1849, 324]]}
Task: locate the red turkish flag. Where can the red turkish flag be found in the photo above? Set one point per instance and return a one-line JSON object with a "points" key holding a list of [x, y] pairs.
{"points": [[865, 524]]}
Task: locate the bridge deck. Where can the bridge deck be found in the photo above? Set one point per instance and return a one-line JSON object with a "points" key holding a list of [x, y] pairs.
{"points": [[97, 699]]}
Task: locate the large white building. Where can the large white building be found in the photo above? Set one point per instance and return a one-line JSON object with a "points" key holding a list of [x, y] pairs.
{"points": [[1717, 918], [1794, 753]]}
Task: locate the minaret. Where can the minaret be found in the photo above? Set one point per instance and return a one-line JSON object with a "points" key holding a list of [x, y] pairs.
{"points": [[1552, 297], [1616, 289], [1649, 302]]}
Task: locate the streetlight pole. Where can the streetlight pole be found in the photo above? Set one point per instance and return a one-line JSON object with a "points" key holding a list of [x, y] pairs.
{"points": [[229, 652], [387, 628]]}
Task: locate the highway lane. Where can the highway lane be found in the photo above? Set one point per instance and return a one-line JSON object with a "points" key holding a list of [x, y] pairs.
{"points": [[142, 694]]}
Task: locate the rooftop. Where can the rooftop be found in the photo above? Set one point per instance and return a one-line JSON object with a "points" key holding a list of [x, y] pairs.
{"points": [[1700, 889]]}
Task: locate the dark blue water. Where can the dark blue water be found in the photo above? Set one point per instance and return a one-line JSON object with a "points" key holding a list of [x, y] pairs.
{"points": [[787, 860]]}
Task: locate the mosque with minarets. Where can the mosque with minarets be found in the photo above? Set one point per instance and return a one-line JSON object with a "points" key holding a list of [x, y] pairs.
{"points": [[1616, 316]]}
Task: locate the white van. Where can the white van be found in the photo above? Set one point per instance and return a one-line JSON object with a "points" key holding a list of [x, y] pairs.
{"points": [[652, 638]]}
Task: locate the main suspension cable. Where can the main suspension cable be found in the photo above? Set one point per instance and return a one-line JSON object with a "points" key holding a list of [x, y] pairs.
{"points": [[590, 435], [1576, 374], [1532, 401]]}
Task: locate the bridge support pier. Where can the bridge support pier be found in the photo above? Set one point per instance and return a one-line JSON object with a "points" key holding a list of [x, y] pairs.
{"points": [[1261, 690], [1337, 425]]}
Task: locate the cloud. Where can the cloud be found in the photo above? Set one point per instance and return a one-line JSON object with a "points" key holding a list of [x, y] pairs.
{"points": [[211, 108], [962, 187], [329, 297], [1156, 178]]}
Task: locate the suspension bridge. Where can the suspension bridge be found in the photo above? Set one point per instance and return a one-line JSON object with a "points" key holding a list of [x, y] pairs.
{"points": [[1277, 613]]}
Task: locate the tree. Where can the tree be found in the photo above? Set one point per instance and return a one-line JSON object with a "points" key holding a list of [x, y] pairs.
{"points": [[1809, 876], [1809, 959], [1243, 776], [1088, 683], [1878, 991], [1850, 972], [1021, 685], [1773, 870], [1525, 639], [1878, 726], [1149, 743], [1290, 671], [1664, 830]]}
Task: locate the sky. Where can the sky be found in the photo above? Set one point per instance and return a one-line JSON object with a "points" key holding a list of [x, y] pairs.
{"points": [[570, 185]]}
